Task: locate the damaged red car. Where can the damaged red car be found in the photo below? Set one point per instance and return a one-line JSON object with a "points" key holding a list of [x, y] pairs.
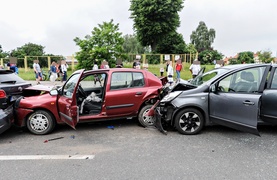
{"points": [[89, 96]]}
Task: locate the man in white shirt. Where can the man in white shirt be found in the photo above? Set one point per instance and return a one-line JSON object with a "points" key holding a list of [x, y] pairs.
{"points": [[170, 73], [37, 71], [194, 68]]}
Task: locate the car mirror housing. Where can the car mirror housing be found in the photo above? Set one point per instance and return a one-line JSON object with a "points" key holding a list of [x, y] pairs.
{"points": [[213, 88], [54, 92]]}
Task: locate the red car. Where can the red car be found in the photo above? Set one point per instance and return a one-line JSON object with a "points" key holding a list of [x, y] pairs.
{"points": [[88, 96]]}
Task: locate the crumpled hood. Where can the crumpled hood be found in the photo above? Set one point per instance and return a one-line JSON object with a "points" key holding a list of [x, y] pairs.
{"points": [[40, 88], [37, 90]]}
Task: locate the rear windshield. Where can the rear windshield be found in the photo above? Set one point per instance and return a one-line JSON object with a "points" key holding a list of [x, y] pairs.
{"points": [[10, 78]]}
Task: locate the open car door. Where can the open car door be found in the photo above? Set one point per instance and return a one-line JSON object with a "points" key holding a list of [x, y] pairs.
{"points": [[67, 101], [268, 111]]}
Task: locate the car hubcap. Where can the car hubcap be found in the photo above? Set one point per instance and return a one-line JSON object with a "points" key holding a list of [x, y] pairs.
{"points": [[189, 122], [148, 119], [39, 122]]}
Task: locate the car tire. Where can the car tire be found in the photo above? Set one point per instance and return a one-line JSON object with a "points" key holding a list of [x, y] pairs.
{"points": [[144, 120], [40, 122], [189, 121]]}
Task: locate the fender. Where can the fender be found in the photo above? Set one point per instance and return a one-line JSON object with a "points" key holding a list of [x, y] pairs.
{"points": [[20, 115]]}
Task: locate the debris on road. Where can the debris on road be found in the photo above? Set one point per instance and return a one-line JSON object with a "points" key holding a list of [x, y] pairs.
{"points": [[53, 139]]}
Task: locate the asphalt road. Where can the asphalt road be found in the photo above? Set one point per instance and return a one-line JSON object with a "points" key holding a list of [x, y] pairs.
{"points": [[129, 151]]}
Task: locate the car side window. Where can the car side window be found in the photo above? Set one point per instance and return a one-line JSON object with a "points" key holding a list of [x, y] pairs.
{"points": [[70, 85], [245, 81], [138, 80], [121, 80], [274, 80], [93, 80]]}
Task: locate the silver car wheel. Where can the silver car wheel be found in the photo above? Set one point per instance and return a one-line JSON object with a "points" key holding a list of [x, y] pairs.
{"points": [[148, 119], [39, 122], [145, 120]]}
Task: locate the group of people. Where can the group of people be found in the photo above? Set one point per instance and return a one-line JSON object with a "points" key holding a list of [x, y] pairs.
{"points": [[104, 65], [59, 70], [194, 69], [56, 70]]}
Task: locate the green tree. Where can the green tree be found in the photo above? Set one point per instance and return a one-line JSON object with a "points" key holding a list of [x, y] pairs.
{"points": [[202, 38], [105, 42], [155, 19], [246, 57], [29, 49], [132, 45], [208, 56], [172, 43], [191, 49], [265, 56], [3, 54]]}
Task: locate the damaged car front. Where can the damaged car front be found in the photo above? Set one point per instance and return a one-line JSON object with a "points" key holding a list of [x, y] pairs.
{"points": [[186, 94]]}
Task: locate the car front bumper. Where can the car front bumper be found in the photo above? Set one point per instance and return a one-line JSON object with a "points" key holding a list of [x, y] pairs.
{"points": [[163, 115], [6, 118]]}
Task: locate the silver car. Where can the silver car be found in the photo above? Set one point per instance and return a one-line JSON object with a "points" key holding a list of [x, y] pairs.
{"points": [[237, 96]]}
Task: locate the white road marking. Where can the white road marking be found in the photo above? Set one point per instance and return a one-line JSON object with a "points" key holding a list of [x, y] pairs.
{"points": [[40, 157]]}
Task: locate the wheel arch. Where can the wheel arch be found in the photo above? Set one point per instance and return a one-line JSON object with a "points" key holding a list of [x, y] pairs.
{"points": [[37, 109], [151, 101]]}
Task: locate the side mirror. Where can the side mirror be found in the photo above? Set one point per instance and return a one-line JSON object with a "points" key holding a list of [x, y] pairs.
{"points": [[54, 92], [213, 88]]}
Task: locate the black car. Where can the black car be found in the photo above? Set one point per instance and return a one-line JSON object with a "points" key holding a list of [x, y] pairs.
{"points": [[11, 86]]}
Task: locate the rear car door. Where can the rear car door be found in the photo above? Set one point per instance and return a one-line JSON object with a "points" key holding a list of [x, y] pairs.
{"points": [[125, 94], [268, 108], [67, 101], [234, 102]]}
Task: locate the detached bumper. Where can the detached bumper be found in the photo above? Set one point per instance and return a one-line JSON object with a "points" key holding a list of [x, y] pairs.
{"points": [[158, 121], [6, 118]]}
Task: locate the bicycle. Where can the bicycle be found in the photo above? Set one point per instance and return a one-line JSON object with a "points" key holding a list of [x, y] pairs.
{"points": [[45, 77]]}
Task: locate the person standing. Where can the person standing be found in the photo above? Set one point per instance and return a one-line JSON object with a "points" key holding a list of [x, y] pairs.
{"points": [[53, 70], [170, 73], [195, 68], [37, 71], [64, 67], [161, 70], [178, 69], [95, 66]]}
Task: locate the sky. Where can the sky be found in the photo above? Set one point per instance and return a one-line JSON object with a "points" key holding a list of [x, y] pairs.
{"points": [[240, 25]]}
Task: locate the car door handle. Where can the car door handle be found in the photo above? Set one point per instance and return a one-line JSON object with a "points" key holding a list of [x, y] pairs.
{"points": [[248, 103], [138, 93]]}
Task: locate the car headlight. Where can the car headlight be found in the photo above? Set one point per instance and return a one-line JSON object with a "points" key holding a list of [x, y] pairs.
{"points": [[171, 96]]}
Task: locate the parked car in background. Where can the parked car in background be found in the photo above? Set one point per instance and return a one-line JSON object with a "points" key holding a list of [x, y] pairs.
{"points": [[11, 87], [237, 96], [88, 96]]}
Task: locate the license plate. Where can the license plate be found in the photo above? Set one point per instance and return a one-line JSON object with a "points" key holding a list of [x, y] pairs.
{"points": [[13, 98]]}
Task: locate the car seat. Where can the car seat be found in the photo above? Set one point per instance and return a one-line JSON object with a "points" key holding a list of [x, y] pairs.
{"points": [[247, 83]]}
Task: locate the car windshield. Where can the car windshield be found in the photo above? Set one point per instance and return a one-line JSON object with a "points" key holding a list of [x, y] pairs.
{"points": [[202, 78]]}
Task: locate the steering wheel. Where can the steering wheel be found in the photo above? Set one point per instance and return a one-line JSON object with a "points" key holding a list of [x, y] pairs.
{"points": [[81, 91]]}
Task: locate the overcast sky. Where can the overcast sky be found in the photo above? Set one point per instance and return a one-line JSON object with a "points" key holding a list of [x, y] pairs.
{"points": [[240, 25]]}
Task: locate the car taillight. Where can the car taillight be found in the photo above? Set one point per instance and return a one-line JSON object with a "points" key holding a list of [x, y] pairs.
{"points": [[2, 94]]}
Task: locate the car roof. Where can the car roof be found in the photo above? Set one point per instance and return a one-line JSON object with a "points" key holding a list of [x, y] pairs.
{"points": [[115, 70], [238, 66]]}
